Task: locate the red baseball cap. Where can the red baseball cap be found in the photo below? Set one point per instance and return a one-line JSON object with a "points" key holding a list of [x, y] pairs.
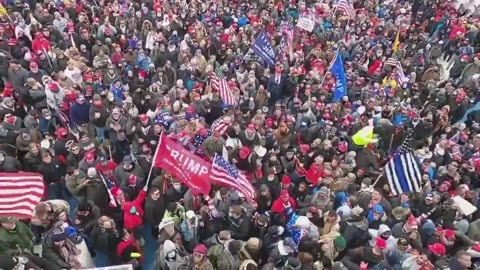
{"points": [[437, 249], [89, 157], [284, 194]]}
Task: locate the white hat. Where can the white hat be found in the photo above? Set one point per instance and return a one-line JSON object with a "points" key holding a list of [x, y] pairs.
{"points": [[189, 214], [91, 172], [165, 222], [260, 150]]}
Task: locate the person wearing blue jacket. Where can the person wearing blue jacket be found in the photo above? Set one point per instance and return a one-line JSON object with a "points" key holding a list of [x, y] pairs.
{"points": [[79, 112]]}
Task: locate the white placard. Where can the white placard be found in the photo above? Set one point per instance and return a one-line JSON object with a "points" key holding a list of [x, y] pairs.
{"points": [[464, 206], [306, 24]]}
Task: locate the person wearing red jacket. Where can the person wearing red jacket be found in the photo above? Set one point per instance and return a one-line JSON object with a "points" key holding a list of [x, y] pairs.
{"points": [[132, 210], [316, 171], [40, 43], [129, 250], [284, 205]]}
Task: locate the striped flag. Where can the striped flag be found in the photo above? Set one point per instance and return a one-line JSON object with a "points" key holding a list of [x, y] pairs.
{"points": [[220, 125], [402, 171], [225, 174], [347, 7], [221, 85], [20, 193], [399, 75]]}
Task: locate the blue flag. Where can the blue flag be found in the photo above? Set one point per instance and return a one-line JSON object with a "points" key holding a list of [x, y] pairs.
{"points": [[263, 48], [338, 72]]}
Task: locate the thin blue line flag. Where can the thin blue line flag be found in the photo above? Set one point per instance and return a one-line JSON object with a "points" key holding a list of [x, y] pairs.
{"points": [[263, 48], [338, 72]]}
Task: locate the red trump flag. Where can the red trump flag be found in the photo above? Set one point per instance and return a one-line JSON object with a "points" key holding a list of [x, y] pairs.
{"points": [[184, 165]]}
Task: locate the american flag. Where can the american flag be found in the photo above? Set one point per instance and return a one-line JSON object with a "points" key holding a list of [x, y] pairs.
{"points": [[225, 174], [347, 7], [164, 119], [221, 85], [399, 75], [199, 139], [220, 125], [402, 171], [108, 181], [109, 184], [20, 193]]}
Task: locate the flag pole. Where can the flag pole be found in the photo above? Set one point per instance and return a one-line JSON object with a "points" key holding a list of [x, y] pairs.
{"points": [[154, 158], [378, 178]]}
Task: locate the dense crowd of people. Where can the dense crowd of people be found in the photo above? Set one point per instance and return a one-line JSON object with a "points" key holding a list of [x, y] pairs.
{"points": [[88, 86]]}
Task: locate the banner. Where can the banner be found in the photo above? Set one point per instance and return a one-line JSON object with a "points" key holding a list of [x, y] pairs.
{"points": [[338, 72], [306, 24], [263, 48], [184, 165]]}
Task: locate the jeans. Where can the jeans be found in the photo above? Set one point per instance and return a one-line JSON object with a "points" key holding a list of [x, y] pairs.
{"points": [[149, 248], [101, 259], [58, 191], [100, 133]]}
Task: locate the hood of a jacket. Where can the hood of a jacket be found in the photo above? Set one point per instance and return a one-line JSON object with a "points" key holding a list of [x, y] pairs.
{"points": [[168, 246], [383, 228]]}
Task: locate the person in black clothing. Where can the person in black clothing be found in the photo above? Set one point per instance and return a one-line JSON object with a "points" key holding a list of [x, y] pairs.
{"points": [[53, 173]]}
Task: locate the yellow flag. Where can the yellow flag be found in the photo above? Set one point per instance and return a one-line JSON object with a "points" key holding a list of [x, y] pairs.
{"points": [[396, 43], [3, 11]]}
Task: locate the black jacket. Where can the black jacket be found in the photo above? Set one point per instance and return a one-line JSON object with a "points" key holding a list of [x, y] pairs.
{"points": [[52, 172]]}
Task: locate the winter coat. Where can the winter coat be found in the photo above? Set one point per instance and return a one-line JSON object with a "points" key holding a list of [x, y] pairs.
{"points": [[79, 113], [52, 172], [122, 176], [154, 210], [133, 211], [116, 135], [103, 111], [279, 207], [188, 264], [361, 254], [21, 237], [161, 263], [240, 228], [74, 184], [355, 232], [212, 147], [391, 241], [221, 258], [10, 164], [17, 77], [32, 162], [105, 240], [54, 99]]}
